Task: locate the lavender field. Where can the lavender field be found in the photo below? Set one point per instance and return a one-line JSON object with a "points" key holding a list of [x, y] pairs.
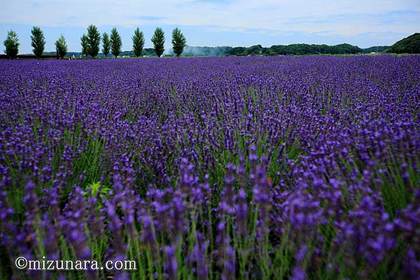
{"points": [[212, 168]]}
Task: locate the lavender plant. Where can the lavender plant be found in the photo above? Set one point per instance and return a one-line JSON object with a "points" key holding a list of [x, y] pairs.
{"points": [[212, 168]]}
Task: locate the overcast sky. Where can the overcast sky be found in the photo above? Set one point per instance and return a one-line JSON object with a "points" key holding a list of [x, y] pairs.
{"points": [[217, 22]]}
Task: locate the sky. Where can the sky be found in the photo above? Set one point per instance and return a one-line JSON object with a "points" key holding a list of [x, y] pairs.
{"points": [[217, 22]]}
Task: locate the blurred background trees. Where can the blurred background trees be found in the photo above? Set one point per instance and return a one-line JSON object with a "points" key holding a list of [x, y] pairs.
{"points": [[85, 45], [38, 41], [106, 44], [12, 44], [61, 47], [158, 41], [138, 42], [115, 42], [93, 40], [178, 42]]}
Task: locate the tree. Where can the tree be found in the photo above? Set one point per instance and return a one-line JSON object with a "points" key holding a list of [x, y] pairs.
{"points": [[115, 42], [138, 42], [12, 44], [106, 44], [158, 41], [61, 47], [38, 41], [85, 45], [93, 39], [410, 44], [178, 41]]}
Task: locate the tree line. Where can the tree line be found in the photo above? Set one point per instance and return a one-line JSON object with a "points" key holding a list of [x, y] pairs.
{"points": [[295, 49], [92, 39]]}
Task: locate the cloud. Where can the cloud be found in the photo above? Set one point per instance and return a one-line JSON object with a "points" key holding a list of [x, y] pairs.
{"points": [[277, 15], [150, 18], [389, 17], [271, 18], [215, 2]]}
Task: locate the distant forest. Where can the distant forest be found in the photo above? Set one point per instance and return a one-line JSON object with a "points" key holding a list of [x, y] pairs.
{"points": [[293, 49], [302, 49], [411, 44]]}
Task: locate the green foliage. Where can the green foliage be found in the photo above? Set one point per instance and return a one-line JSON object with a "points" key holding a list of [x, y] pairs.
{"points": [[96, 189], [411, 44], [85, 45], [158, 41], [93, 40], [12, 44], [396, 191], [89, 162], [115, 42], [61, 47], [138, 42], [38, 41], [178, 41], [106, 43]]}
